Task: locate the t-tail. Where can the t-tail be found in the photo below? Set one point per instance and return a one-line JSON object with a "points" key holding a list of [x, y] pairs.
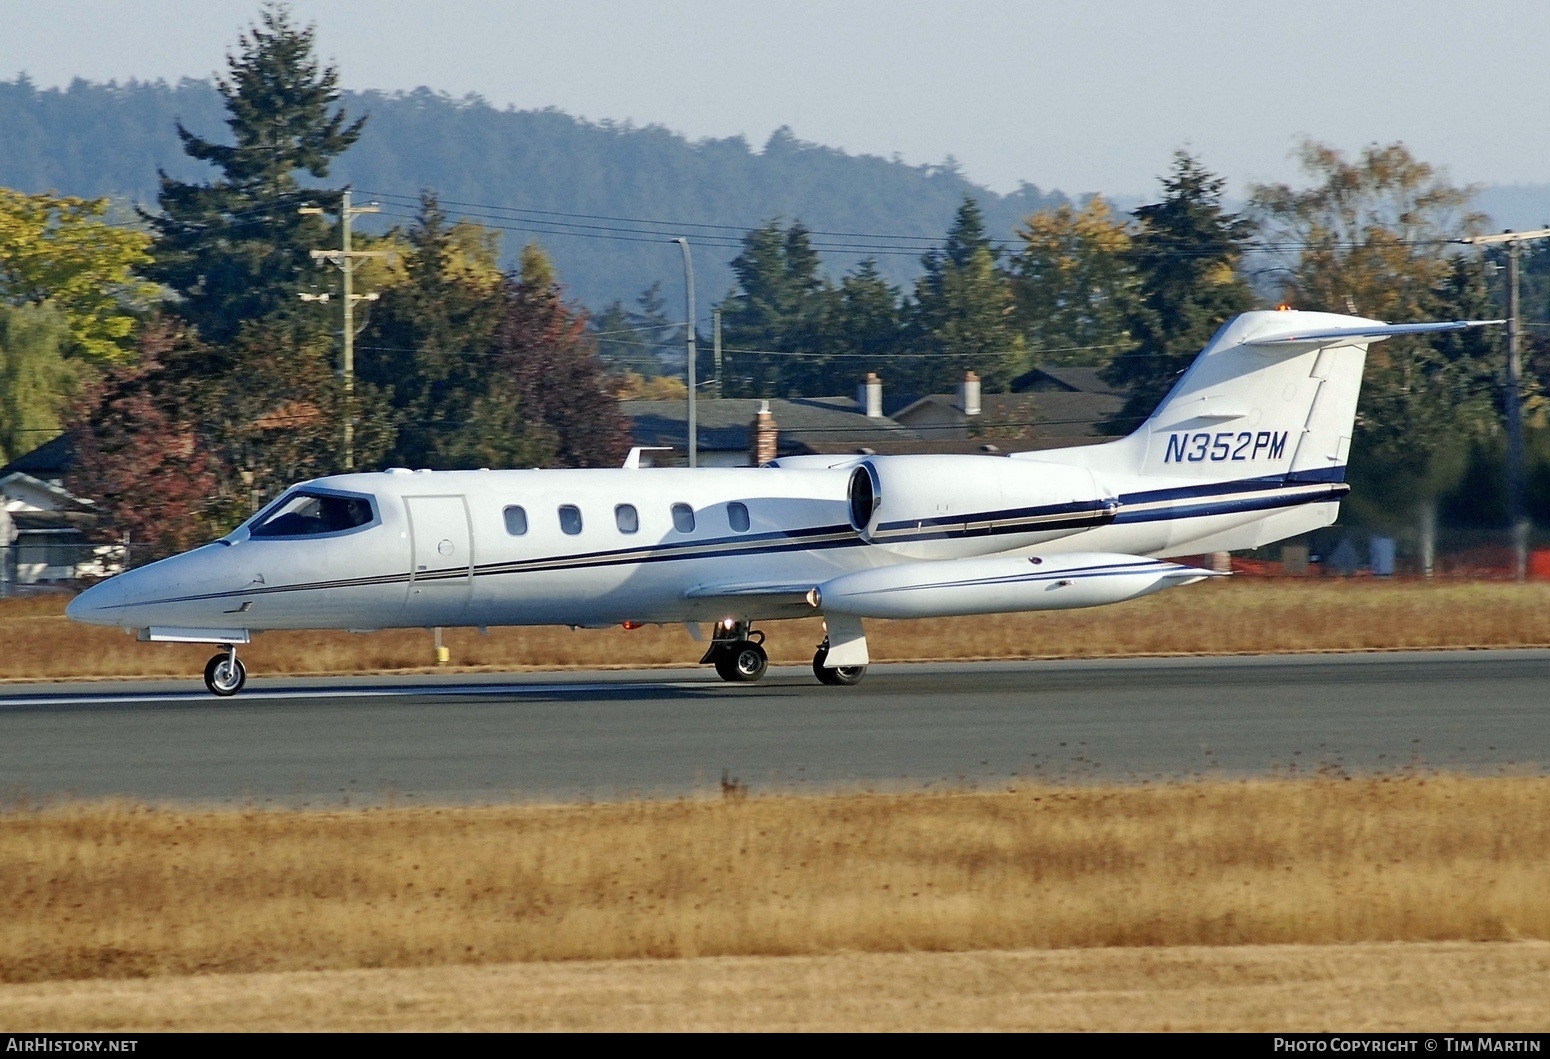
{"points": [[1263, 415], [1273, 393]]}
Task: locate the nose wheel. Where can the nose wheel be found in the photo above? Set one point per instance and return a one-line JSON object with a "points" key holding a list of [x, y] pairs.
{"points": [[225, 674]]}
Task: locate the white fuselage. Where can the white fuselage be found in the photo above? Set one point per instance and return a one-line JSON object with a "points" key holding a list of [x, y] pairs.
{"points": [[439, 550]]}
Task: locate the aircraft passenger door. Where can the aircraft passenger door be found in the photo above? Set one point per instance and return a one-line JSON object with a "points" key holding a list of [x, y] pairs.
{"points": [[440, 547]]}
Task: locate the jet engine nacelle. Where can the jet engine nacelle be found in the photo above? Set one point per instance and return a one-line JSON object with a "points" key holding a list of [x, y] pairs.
{"points": [[928, 507], [997, 585]]}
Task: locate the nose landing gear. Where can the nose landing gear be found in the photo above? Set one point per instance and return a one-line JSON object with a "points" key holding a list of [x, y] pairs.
{"points": [[225, 674]]}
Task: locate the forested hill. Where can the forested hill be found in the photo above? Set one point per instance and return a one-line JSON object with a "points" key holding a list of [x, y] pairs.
{"points": [[581, 189]]}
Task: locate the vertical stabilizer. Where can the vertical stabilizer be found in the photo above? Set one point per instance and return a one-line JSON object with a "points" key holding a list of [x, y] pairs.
{"points": [[1272, 395]]}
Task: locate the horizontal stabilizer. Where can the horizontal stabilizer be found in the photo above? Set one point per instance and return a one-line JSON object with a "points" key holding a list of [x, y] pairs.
{"points": [[1372, 332]]}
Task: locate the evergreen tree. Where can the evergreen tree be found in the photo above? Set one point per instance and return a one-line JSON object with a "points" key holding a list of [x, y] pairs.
{"points": [[1186, 255], [237, 249], [428, 340], [643, 340], [860, 327], [962, 318], [773, 313]]}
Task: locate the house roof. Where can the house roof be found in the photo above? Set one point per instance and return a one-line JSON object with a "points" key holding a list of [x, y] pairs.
{"points": [[9, 482], [50, 460], [1070, 378], [1059, 415], [723, 424]]}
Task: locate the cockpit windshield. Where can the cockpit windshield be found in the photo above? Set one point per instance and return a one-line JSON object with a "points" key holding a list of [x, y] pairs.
{"points": [[308, 514]]}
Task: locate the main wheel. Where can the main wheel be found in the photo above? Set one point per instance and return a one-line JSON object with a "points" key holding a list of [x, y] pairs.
{"points": [[225, 674], [836, 676], [742, 662]]}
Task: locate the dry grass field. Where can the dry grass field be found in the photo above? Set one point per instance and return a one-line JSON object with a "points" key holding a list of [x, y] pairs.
{"points": [[1419, 987], [1408, 901], [1239, 616], [119, 891]]}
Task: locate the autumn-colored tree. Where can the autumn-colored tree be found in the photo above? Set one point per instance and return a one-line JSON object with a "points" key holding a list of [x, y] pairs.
{"points": [[1370, 236], [545, 366], [35, 378], [1375, 236], [140, 456], [1073, 283], [57, 250]]}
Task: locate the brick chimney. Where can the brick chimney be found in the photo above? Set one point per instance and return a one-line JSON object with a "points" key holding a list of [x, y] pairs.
{"points": [[762, 436], [869, 396], [969, 394]]}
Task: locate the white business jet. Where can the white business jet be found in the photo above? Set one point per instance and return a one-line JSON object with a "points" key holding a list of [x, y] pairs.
{"points": [[1250, 447]]}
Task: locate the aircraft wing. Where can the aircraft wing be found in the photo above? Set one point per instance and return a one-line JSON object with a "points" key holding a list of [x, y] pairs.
{"points": [[793, 593]]}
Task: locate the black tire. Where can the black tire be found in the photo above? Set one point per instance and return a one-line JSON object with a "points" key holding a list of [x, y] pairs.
{"points": [[742, 662], [838, 676], [223, 679]]}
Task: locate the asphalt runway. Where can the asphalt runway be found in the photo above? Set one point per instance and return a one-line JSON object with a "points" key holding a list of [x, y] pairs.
{"points": [[449, 738]]}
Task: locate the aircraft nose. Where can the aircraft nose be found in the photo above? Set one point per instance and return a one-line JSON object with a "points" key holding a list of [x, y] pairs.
{"points": [[98, 604]]}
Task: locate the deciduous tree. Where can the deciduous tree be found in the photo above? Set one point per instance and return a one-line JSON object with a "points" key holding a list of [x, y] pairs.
{"points": [[1073, 282], [57, 250], [35, 379]]}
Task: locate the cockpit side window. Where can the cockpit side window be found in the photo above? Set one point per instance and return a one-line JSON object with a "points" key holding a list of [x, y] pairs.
{"points": [[307, 514]]}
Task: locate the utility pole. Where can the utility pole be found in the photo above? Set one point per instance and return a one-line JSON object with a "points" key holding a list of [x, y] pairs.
{"points": [[345, 259], [715, 315], [1516, 515], [689, 297]]}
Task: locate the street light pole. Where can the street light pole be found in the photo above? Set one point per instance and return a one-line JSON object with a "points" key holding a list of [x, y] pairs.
{"points": [[689, 298], [1516, 514], [345, 258]]}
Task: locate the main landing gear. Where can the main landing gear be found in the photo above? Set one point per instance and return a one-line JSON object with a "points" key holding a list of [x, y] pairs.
{"points": [[225, 674], [737, 652], [836, 676]]}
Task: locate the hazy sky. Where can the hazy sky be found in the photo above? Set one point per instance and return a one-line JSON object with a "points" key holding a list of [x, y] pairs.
{"points": [[1090, 96]]}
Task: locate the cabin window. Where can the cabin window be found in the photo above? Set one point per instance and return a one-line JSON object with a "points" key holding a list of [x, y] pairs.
{"points": [[308, 514], [516, 520], [570, 519], [683, 518], [626, 517], [737, 516]]}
